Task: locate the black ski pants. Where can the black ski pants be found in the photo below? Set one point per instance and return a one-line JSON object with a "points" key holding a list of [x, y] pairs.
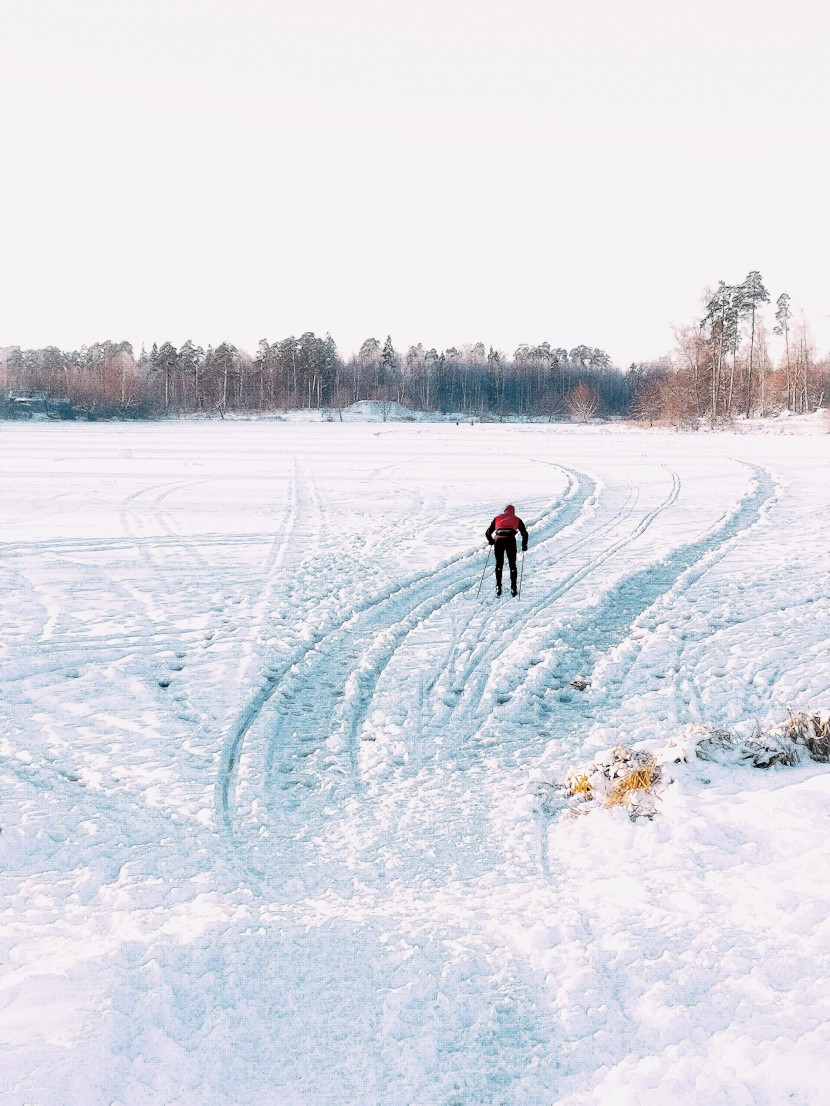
{"points": [[500, 547]]}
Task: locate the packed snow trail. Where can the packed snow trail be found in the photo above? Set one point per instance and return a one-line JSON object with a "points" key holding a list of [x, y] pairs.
{"points": [[575, 650], [473, 680], [493, 722], [270, 823], [308, 738], [407, 603]]}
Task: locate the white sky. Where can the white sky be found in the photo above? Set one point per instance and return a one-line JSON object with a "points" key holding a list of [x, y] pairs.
{"points": [[441, 170]]}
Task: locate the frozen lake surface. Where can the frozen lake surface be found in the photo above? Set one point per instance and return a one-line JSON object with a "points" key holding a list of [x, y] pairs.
{"points": [[271, 829]]}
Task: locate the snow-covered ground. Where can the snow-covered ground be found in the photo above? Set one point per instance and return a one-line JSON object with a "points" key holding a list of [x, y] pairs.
{"points": [[271, 827]]}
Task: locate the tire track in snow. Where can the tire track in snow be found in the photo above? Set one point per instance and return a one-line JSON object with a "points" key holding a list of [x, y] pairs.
{"points": [[132, 514], [610, 624], [318, 673], [177, 575], [472, 640], [386, 632], [60, 652], [699, 557], [274, 560], [470, 685]]}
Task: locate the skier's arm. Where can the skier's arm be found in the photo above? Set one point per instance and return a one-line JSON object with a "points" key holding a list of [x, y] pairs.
{"points": [[489, 533], [523, 532]]}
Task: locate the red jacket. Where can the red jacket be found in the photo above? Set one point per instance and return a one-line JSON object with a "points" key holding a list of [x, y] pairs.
{"points": [[506, 526]]}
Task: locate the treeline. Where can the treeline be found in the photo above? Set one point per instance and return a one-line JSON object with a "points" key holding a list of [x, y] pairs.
{"points": [[106, 379], [721, 367]]}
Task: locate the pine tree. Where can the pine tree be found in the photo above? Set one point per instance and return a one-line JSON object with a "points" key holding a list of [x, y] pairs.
{"points": [[190, 362], [723, 315], [782, 318], [165, 360], [389, 363], [753, 294]]}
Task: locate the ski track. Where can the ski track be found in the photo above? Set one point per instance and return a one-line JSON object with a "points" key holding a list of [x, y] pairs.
{"points": [[540, 691], [286, 546], [327, 574], [379, 874], [330, 688], [59, 646], [579, 493], [284, 529], [470, 713], [700, 557], [177, 573], [468, 686], [611, 624], [470, 639], [333, 677], [397, 622], [470, 683]]}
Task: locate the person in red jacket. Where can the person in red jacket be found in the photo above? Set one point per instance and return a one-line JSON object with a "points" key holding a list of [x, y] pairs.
{"points": [[501, 534]]}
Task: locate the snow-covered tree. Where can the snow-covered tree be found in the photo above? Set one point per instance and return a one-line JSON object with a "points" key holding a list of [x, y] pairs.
{"points": [[752, 295]]}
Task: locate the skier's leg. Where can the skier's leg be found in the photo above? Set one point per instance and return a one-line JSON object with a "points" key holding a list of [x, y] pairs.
{"points": [[499, 551], [511, 560]]}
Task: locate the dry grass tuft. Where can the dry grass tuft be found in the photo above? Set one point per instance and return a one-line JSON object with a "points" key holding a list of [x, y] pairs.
{"points": [[625, 777], [578, 784], [639, 779], [811, 730], [635, 778]]}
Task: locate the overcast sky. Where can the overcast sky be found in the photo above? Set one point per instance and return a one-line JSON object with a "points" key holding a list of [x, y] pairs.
{"points": [[448, 171]]}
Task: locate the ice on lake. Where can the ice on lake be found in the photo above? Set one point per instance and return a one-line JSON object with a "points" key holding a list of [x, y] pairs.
{"points": [[270, 828]]}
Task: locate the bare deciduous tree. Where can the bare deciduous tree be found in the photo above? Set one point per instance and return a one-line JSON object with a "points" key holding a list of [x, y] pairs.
{"points": [[583, 403]]}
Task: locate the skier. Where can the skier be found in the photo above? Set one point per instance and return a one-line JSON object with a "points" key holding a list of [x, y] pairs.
{"points": [[501, 534]]}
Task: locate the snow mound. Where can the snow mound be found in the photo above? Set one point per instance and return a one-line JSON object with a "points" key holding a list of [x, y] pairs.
{"points": [[786, 422], [783, 744], [623, 777], [372, 410], [758, 751]]}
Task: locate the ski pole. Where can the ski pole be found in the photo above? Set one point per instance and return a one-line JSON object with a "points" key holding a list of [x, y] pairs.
{"points": [[521, 574], [481, 581]]}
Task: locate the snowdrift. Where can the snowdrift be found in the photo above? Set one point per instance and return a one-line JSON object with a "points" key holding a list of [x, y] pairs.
{"points": [[635, 778]]}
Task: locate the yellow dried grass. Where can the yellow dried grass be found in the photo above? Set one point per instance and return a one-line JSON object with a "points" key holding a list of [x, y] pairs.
{"points": [[798, 726], [579, 784], [639, 779]]}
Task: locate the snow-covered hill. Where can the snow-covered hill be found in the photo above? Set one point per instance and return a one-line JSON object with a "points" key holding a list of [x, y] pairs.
{"points": [[274, 826]]}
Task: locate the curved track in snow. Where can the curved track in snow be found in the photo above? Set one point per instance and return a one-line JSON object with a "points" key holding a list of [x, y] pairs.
{"points": [[472, 680], [333, 675], [313, 713]]}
